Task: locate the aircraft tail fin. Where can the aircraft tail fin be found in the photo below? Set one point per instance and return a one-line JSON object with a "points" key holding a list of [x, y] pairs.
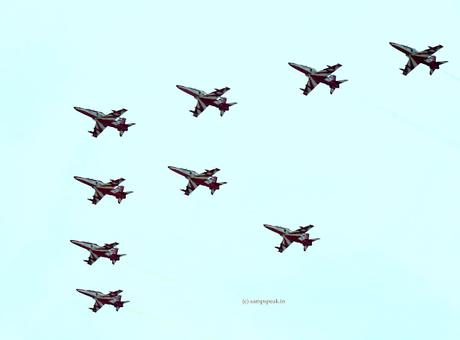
{"points": [[122, 195], [123, 127], [308, 243], [336, 85], [119, 304], [116, 257], [224, 107], [435, 66], [216, 186]]}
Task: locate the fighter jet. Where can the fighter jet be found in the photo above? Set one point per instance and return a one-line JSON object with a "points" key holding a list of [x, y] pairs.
{"points": [[415, 57], [195, 179], [300, 236], [101, 189], [315, 77], [107, 250], [103, 120], [205, 99], [112, 298]]}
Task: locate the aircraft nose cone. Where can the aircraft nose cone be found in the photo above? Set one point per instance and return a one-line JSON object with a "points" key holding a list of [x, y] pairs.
{"points": [[294, 65], [173, 168], [77, 243]]}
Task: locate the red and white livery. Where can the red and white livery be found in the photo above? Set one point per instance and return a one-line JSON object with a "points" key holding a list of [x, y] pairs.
{"points": [[112, 298], [195, 179], [324, 76], [101, 189], [205, 99], [103, 120], [300, 235], [415, 57], [108, 250]]}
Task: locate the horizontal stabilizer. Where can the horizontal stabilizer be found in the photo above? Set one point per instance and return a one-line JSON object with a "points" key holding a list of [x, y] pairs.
{"points": [[436, 66]]}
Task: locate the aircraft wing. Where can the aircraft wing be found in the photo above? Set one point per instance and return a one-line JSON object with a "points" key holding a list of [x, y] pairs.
{"points": [[92, 258], [303, 229], [98, 129], [218, 92], [97, 306], [310, 86], [96, 197], [431, 50], [116, 182], [190, 187], [200, 107], [208, 173], [329, 69], [411, 64], [284, 244], [115, 113]]}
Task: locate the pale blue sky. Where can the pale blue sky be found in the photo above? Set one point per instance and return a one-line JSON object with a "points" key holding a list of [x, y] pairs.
{"points": [[375, 167]]}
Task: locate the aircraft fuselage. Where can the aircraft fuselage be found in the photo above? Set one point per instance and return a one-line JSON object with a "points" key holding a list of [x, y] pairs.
{"points": [[310, 72], [212, 100]]}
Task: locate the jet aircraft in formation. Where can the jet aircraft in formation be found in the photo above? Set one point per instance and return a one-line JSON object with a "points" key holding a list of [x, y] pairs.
{"points": [[101, 189], [300, 235], [205, 99], [112, 298], [108, 250], [103, 120], [315, 77], [207, 177], [415, 57], [195, 179]]}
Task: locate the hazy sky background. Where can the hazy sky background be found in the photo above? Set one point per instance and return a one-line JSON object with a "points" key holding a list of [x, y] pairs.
{"points": [[375, 167]]}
